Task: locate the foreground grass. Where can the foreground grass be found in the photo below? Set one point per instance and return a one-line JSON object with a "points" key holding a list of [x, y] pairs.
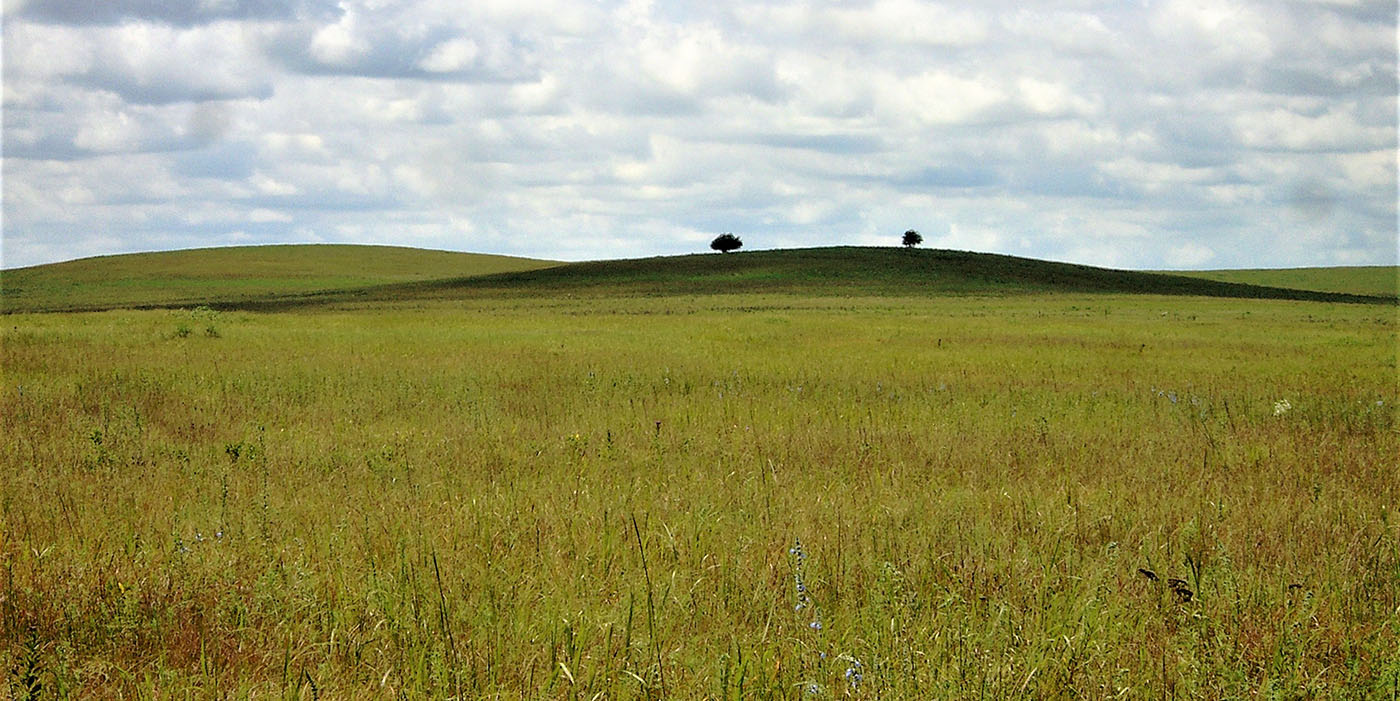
{"points": [[561, 499], [234, 273]]}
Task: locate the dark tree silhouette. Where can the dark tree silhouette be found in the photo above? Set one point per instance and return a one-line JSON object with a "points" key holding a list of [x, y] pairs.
{"points": [[725, 243], [912, 239]]}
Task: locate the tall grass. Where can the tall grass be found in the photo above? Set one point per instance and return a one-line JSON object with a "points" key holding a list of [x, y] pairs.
{"points": [[519, 499]]}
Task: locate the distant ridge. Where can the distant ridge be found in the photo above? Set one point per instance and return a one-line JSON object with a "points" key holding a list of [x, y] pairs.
{"points": [[388, 275]]}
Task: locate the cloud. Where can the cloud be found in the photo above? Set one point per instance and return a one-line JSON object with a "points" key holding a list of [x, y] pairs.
{"points": [[880, 23], [390, 41], [139, 62], [1177, 133], [1189, 255], [1336, 129], [180, 14]]}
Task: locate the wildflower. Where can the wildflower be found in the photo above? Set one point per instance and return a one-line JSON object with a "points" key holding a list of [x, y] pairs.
{"points": [[854, 673], [1282, 407], [804, 601], [798, 584], [796, 550]]}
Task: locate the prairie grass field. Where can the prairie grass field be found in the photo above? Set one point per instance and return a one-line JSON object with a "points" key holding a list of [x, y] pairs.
{"points": [[603, 497]]}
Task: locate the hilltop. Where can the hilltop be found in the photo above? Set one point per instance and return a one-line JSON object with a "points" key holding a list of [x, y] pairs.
{"points": [[841, 271], [282, 277]]}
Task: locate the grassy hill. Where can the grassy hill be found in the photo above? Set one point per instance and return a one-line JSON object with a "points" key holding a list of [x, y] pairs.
{"points": [[843, 270], [233, 274], [1381, 280], [274, 277]]}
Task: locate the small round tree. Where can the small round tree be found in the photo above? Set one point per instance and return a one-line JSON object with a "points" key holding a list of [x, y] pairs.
{"points": [[725, 243], [912, 238]]}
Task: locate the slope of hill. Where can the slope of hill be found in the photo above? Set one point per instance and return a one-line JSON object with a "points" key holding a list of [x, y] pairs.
{"points": [[819, 271], [233, 274], [1380, 280], [282, 277]]}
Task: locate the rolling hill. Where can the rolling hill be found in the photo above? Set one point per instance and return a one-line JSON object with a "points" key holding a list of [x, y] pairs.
{"points": [[234, 274], [840, 271], [283, 277]]}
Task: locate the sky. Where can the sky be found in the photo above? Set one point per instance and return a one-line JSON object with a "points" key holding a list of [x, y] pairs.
{"points": [[1143, 134]]}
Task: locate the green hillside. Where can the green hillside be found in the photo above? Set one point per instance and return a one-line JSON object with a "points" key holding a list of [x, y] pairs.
{"points": [[273, 277], [854, 271], [1382, 280], [234, 274]]}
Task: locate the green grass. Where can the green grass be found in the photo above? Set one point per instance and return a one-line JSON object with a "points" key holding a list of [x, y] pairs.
{"points": [[843, 270], [262, 279], [1376, 280], [386, 472], [509, 496], [237, 273], [836, 271]]}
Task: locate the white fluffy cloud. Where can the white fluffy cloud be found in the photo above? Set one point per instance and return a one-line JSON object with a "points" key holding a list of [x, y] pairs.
{"points": [[1173, 133]]}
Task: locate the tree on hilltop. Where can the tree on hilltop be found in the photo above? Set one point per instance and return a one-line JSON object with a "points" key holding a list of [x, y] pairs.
{"points": [[725, 243], [912, 239]]}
